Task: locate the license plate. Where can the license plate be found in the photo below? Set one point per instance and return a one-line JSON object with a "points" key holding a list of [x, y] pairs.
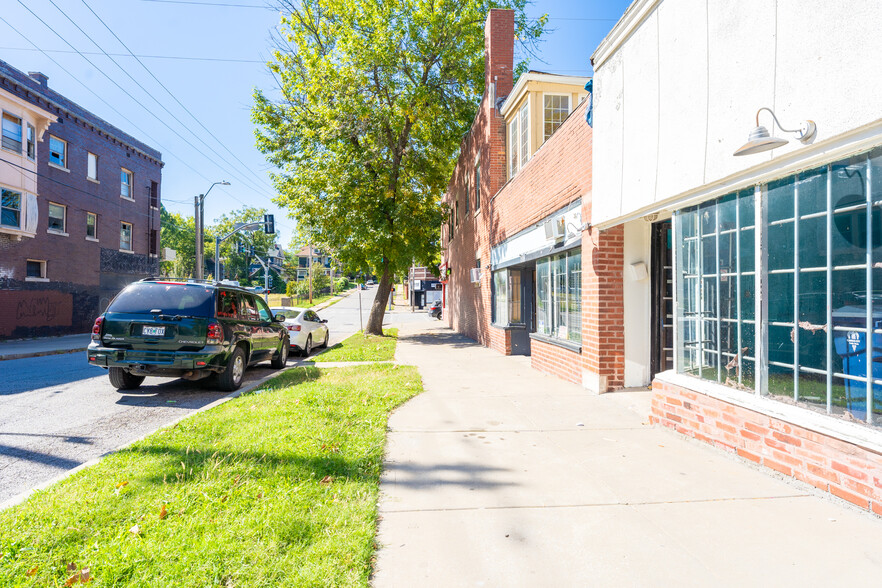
{"points": [[153, 331]]}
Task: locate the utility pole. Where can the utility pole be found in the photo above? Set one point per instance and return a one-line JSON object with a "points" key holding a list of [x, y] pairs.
{"points": [[310, 274], [200, 229]]}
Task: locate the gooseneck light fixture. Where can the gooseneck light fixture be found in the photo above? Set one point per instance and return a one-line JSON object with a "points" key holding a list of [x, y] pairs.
{"points": [[760, 140]]}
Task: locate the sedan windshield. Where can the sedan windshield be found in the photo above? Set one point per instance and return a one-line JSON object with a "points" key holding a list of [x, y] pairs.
{"points": [[166, 297]]}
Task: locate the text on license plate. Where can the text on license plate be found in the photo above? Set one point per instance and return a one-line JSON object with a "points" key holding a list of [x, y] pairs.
{"points": [[154, 331]]}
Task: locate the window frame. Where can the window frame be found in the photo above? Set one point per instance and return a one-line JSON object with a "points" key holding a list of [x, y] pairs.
{"points": [[94, 225], [122, 225], [569, 100], [65, 154], [43, 277], [18, 211], [559, 297], [3, 137], [49, 228], [816, 253], [524, 139], [92, 172], [130, 175], [31, 143]]}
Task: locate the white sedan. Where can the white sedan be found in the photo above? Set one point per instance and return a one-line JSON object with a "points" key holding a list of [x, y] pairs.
{"points": [[306, 330]]}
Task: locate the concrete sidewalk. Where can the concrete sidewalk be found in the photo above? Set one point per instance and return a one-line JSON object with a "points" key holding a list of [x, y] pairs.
{"points": [[20, 348], [499, 475]]}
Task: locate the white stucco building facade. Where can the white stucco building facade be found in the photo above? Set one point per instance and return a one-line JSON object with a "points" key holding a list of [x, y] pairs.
{"points": [[764, 280]]}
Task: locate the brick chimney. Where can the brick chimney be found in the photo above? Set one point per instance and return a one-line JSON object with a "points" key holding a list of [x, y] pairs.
{"points": [[499, 51], [40, 78]]}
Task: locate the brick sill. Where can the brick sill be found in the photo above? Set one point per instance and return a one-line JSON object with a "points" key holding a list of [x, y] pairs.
{"points": [[93, 239], [569, 345], [56, 232], [33, 279], [126, 198], [862, 436], [93, 180], [58, 167], [127, 251], [510, 326]]}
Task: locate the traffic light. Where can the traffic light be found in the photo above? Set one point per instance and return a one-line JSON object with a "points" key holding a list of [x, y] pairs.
{"points": [[269, 224], [269, 282], [252, 251], [240, 247]]}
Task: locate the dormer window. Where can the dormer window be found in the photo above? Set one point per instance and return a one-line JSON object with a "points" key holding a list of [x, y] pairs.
{"points": [[556, 110]]}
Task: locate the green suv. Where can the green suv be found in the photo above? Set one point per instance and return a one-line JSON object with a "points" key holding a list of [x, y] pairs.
{"points": [[185, 329]]}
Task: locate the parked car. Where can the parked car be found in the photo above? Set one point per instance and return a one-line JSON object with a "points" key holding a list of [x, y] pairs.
{"points": [[370, 282], [191, 330], [435, 310], [306, 330]]}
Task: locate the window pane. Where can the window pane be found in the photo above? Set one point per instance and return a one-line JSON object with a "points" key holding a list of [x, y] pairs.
{"points": [[11, 133], [32, 142], [125, 189], [92, 171], [513, 148], [555, 112], [91, 225], [525, 134], [574, 297], [500, 286], [10, 209], [57, 151], [34, 269], [125, 236], [515, 297], [56, 217], [543, 321]]}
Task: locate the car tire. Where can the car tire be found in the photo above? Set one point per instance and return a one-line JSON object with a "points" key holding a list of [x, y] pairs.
{"points": [[307, 348], [327, 336], [281, 358], [231, 378], [123, 380]]}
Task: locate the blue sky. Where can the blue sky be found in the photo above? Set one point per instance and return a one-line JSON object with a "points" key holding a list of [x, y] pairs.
{"points": [[206, 57]]}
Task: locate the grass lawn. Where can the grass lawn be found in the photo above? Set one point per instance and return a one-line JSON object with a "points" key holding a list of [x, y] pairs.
{"points": [[270, 489], [360, 347]]}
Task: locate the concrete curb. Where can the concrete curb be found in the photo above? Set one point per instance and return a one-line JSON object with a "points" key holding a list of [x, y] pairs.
{"points": [[20, 498], [41, 353]]}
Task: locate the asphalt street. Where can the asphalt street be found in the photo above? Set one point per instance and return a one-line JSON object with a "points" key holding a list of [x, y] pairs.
{"points": [[57, 412]]}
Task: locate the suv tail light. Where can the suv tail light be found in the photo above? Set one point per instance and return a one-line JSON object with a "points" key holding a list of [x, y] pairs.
{"points": [[96, 328], [215, 334], [293, 327]]}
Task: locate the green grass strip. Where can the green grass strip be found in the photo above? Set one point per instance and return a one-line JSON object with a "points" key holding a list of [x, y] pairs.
{"points": [[271, 489], [361, 347]]}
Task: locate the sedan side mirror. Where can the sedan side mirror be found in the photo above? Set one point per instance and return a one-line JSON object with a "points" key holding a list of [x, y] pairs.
{"points": [[324, 320], [279, 318]]}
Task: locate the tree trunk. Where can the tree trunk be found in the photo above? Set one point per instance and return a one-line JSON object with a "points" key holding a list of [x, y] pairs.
{"points": [[378, 310]]}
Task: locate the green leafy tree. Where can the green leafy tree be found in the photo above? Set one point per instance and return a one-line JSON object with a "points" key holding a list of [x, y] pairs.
{"points": [[376, 97], [178, 232], [236, 262]]}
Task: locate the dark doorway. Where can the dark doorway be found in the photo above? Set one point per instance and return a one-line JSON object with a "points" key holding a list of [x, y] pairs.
{"points": [[662, 329]]}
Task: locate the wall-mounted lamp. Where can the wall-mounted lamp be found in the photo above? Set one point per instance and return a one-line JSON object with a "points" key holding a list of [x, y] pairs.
{"points": [[760, 140]]}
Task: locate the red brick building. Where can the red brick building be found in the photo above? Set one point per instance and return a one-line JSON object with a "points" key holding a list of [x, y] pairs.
{"points": [[525, 273], [83, 214]]}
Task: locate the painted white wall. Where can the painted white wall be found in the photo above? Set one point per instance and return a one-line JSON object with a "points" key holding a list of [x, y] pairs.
{"points": [[637, 296], [678, 83]]}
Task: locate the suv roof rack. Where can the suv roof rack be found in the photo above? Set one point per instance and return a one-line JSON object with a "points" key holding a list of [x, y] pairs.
{"points": [[173, 279]]}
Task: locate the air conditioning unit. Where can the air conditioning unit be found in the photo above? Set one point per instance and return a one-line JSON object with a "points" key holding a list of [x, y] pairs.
{"points": [[555, 229], [475, 274]]}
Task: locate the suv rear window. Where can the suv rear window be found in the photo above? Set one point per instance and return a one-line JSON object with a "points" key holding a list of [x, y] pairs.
{"points": [[168, 298]]}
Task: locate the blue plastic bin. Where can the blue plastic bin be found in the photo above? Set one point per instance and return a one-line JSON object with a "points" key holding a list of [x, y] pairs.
{"points": [[852, 348]]}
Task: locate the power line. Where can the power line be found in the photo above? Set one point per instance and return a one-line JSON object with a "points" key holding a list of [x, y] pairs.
{"points": [[127, 93], [102, 100], [208, 4], [176, 57], [175, 98]]}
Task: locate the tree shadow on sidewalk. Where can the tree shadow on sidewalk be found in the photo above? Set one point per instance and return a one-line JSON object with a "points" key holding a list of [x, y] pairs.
{"points": [[447, 338], [467, 475]]}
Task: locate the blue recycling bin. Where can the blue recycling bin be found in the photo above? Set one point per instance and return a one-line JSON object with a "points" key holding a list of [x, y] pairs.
{"points": [[852, 348]]}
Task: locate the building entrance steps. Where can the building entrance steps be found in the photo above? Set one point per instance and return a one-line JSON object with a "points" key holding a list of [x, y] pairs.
{"points": [[499, 475]]}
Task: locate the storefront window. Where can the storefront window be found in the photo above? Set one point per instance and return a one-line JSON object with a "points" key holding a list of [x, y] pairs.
{"points": [[500, 297], [559, 296], [822, 269]]}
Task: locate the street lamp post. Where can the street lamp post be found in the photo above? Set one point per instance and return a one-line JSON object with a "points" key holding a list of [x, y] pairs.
{"points": [[200, 227]]}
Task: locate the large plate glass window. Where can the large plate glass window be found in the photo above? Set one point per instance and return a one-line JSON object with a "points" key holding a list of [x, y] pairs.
{"points": [[822, 268], [11, 138], [559, 296], [10, 208], [500, 297]]}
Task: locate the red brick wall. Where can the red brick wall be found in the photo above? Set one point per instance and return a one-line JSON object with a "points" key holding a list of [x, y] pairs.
{"points": [[840, 468], [603, 311], [557, 360]]}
